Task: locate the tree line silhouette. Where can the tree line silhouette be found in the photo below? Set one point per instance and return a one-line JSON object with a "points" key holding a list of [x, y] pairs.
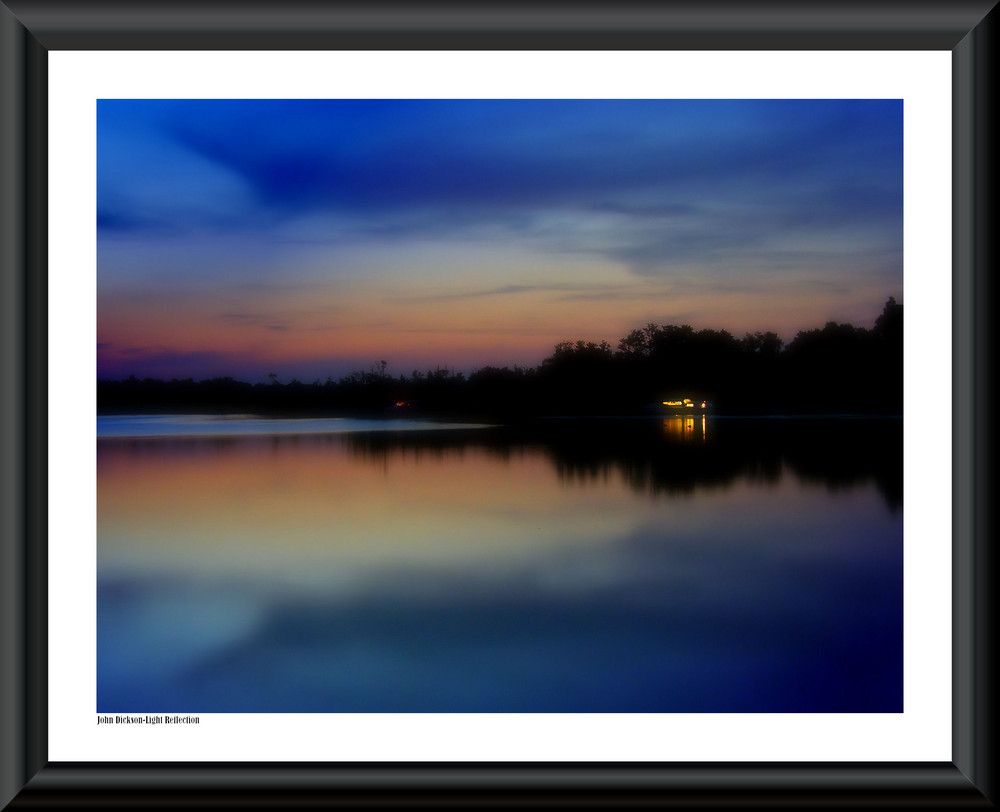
{"points": [[835, 369]]}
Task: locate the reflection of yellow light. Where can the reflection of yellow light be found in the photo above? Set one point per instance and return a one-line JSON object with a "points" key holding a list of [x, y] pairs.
{"points": [[684, 428]]}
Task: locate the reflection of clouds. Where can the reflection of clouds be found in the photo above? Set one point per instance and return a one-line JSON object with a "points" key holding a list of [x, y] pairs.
{"points": [[657, 621], [362, 500], [163, 626], [221, 507], [441, 572]]}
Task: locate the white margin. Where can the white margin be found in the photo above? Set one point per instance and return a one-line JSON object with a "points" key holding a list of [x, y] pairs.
{"points": [[922, 79]]}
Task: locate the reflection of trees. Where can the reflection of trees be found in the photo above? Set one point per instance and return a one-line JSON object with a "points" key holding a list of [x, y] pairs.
{"points": [[838, 453], [655, 456]]}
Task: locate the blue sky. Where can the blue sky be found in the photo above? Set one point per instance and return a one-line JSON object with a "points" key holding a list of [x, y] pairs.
{"points": [[313, 237]]}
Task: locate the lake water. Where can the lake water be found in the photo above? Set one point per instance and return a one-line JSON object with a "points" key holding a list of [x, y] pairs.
{"points": [[646, 565]]}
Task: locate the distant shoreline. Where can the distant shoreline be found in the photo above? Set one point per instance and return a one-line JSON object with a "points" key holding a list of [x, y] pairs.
{"points": [[495, 417]]}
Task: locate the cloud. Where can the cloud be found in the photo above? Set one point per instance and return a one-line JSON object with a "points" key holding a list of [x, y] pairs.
{"points": [[252, 318], [165, 362], [509, 331], [405, 168], [478, 294], [255, 319]]}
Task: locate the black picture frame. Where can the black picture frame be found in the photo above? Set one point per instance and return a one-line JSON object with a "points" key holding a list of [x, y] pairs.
{"points": [[30, 28]]}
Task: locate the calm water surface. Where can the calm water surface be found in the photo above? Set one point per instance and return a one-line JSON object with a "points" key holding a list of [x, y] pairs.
{"points": [[667, 565]]}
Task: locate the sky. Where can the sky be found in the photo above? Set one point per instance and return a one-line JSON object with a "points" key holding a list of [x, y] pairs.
{"points": [[313, 238]]}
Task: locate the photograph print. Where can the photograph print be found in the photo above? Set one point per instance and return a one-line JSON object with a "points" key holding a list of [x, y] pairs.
{"points": [[493, 406]]}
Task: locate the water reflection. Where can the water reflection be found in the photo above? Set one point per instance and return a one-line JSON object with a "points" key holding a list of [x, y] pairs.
{"points": [[686, 428], [680, 455], [571, 566]]}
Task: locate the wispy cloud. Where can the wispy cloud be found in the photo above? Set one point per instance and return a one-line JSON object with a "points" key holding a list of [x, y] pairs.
{"points": [[504, 290]]}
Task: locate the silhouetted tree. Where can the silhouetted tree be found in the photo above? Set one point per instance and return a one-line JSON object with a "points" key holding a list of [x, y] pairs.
{"points": [[836, 368]]}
